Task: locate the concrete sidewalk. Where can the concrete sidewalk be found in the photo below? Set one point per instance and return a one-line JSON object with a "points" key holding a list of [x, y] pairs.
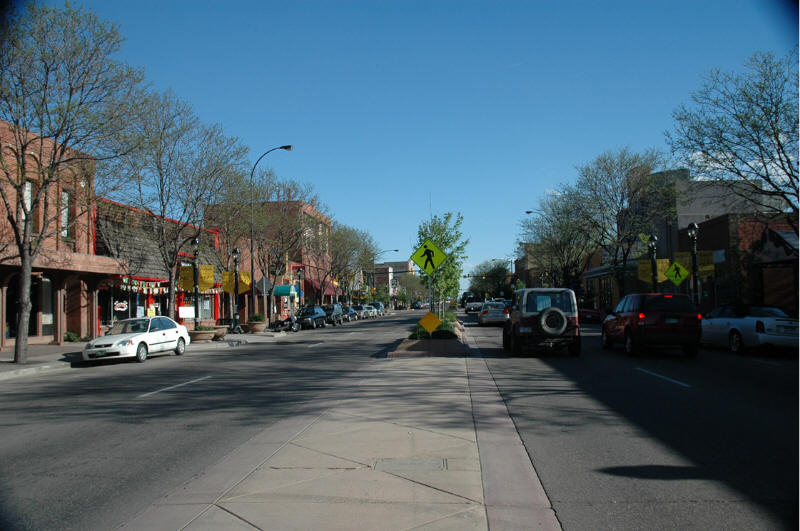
{"points": [[411, 443], [51, 358]]}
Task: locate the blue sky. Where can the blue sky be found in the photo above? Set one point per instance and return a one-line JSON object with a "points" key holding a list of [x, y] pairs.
{"points": [[398, 108]]}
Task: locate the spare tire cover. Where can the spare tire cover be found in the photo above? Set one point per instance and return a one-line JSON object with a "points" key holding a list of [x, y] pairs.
{"points": [[553, 321]]}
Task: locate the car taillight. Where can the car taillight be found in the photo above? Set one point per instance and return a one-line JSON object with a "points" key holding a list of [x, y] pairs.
{"points": [[699, 316], [760, 327], [485, 312], [641, 316], [505, 311]]}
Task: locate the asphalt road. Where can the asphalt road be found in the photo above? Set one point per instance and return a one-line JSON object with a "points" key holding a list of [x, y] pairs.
{"points": [[657, 441], [89, 449]]}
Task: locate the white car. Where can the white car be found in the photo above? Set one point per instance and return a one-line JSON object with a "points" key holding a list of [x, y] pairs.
{"points": [[739, 327], [493, 313], [138, 338]]}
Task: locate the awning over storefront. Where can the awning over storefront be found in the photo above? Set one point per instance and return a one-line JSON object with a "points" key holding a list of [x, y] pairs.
{"points": [[287, 290]]}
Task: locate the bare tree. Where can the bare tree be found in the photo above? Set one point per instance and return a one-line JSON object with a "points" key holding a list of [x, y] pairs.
{"points": [[66, 104], [180, 169], [280, 227], [742, 130], [345, 243], [563, 244], [618, 197]]}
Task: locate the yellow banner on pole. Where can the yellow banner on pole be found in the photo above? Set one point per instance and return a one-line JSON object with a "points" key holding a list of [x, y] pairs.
{"points": [[227, 281], [186, 282], [705, 264], [646, 270], [206, 277]]}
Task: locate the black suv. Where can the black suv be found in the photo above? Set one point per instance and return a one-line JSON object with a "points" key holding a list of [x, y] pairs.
{"points": [[543, 318], [312, 317], [334, 313]]}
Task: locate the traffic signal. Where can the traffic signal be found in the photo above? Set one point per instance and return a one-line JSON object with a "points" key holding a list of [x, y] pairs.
{"points": [[483, 276]]}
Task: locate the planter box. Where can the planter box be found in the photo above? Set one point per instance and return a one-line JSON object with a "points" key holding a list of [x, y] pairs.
{"points": [[255, 328], [201, 336], [219, 332]]}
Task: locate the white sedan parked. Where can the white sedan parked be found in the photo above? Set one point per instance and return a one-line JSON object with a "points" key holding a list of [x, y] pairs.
{"points": [[742, 326], [138, 338]]}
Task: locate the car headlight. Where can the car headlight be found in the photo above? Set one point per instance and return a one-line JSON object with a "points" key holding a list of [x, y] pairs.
{"points": [[125, 343]]}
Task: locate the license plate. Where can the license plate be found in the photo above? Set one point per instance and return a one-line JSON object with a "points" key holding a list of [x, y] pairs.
{"points": [[671, 320]]}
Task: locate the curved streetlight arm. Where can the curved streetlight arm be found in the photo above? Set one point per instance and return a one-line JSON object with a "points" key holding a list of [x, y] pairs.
{"points": [[287, 147]]}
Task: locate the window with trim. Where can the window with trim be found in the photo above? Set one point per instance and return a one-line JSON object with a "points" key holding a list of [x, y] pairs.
{"points": [[65, 216]]}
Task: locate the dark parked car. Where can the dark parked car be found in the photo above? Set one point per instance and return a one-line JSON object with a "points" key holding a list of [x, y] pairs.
{"points": [[662, 319], [334, 314], [349, 313], [543, 318], [312, 317]]}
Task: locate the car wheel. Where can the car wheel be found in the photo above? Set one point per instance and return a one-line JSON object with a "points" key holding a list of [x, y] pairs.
{"points": [[313, 324], [516, 345], [552, 321], [631, 349], [605, 340], [180, 348], [295, 327], [574, 348], [141, 353], [322, 324], [735, 343]]}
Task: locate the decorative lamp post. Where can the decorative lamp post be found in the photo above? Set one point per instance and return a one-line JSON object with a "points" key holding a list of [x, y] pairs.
{"points": [[195, 272], [692, 231], [252, 229], [235, 328], [652, 244], [301, 275]]}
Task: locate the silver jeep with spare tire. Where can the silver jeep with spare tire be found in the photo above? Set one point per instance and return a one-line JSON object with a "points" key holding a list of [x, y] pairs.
{"points": [[545, 318]]}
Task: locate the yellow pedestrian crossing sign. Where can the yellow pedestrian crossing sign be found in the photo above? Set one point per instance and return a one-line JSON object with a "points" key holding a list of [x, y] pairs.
{"points": [[677, 273], [428, 257]]}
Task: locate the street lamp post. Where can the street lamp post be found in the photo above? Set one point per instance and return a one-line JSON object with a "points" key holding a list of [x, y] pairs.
{"points": [[651, 245], [195, 272], [252, 228], [374, 280], [235, 328], [692, 231]]}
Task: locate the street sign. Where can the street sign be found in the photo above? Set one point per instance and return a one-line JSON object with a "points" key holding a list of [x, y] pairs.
{"points": [[428, 257], [430, 322], [677, 273], [705, 262]]}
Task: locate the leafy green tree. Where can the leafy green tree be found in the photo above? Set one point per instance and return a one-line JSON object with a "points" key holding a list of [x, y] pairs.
{"points": [[491, 278], [445, 232], [741, 130], [68, 104]]}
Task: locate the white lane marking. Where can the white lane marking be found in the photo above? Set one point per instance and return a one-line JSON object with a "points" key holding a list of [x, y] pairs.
{"points": [[173, 387], [663, 377], [315, 345]]}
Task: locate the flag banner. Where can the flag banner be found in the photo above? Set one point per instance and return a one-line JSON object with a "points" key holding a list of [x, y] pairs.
{"points": [[186, 282], [206, 277]]}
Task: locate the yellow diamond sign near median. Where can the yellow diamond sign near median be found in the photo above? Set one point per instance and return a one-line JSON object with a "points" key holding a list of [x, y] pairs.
{"points": [[428, 257], [430, 322]]}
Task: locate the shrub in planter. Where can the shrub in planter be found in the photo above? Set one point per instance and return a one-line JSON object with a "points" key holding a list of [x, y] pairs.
{"points": [[204, 328], [71, 337], [257, 318]]}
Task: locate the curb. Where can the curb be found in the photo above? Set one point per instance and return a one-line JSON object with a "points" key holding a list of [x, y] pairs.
{"points": [[28, 371]]}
